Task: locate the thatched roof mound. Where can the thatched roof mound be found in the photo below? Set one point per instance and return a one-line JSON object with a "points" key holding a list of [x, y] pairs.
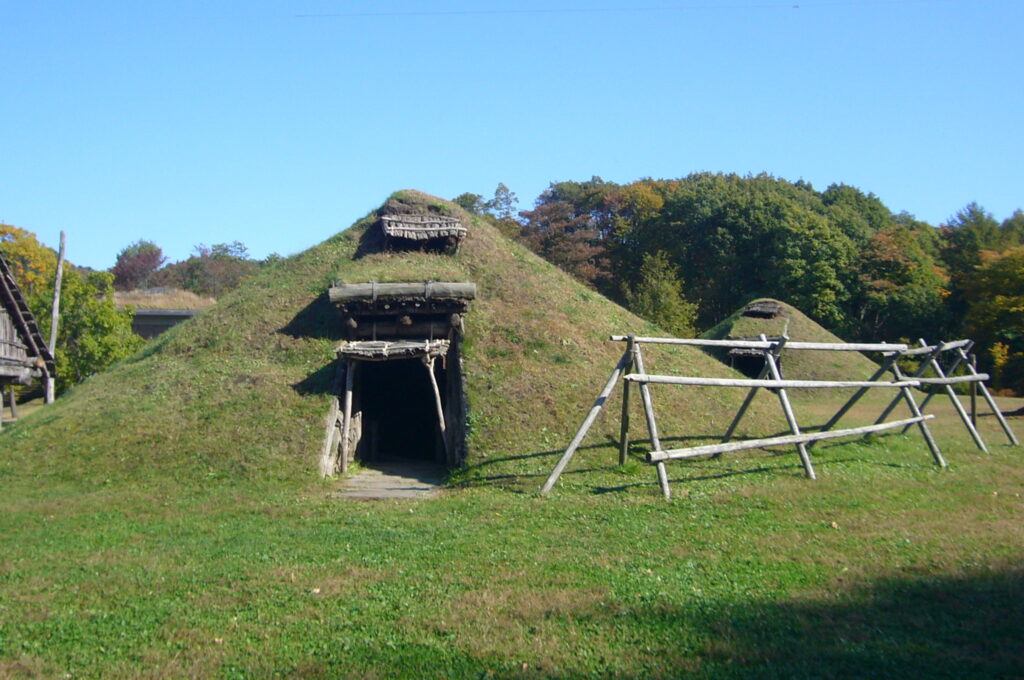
{"points": [[243, 389], [775, 318]]}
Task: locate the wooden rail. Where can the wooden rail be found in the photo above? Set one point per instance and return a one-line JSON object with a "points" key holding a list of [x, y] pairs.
{"points": [[714, 449], [742, 382], [768, 344]]}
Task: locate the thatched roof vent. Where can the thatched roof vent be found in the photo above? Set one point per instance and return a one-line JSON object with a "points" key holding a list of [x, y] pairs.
{"points": [[386, 350], [762, 309], [422, 227], [425, 232]]}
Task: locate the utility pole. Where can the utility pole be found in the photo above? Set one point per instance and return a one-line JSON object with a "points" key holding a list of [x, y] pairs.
{"points": [[55, 317]]}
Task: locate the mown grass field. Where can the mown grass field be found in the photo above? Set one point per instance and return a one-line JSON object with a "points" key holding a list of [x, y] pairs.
{"points": [[164, 519], [884, 567]]}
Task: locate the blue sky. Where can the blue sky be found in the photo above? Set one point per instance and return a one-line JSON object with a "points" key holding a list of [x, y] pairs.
{"points": [[279, 123]]}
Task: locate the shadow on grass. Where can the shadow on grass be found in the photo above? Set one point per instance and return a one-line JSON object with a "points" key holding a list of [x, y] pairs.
{"points": [[318, 319], [898, 627]]}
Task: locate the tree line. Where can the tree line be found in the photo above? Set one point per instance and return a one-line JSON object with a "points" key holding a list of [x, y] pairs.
{"points": [[685, 253], [93, 332]]}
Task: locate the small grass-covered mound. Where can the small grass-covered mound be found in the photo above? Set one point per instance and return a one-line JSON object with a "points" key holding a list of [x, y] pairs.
{"points": [[243, 388], [796, 365]]}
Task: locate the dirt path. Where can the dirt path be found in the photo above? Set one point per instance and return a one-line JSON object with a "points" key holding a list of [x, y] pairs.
{"points": [[393, 480]]}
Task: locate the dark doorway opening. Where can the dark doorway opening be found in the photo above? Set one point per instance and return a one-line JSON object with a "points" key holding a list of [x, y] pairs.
{"points": [[749, 365], [399, 410]]}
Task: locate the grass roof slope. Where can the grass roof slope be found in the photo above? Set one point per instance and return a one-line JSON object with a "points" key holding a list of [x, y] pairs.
{"points": [[243, 388], [797, 365]]}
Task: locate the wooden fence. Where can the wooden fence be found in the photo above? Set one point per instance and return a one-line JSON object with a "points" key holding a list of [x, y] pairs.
{"points": [[631, 369]]}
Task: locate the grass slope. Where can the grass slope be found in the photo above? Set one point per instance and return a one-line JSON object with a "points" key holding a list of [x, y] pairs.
{"points": [[242, 389], [165, 520]]}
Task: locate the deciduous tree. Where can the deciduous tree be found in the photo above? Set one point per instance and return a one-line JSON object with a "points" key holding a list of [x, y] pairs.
{"points": [[136, 265]]}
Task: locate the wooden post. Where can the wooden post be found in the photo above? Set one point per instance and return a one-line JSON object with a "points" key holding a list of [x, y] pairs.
{"points": [[898, 375], [624, 418], [972, 361], [975, 435], [428, 362], [1, 409], [14, 402], [652, 425], [51, 381], [991, 403], [327, 462], [952, 367], [925, 432], [346, 418], [787, 408], [587, 423]]}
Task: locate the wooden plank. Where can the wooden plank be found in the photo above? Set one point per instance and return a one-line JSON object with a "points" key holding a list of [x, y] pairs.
{"points": [[326, 456], [740, 382], [784, 440], [587, 423], [766, 344]]}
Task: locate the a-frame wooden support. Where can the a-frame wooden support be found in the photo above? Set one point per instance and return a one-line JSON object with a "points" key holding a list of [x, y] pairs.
{"points": [[770, 377]]}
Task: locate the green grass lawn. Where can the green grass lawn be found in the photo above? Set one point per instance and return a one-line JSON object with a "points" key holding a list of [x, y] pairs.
{"points": [[884, 567]]}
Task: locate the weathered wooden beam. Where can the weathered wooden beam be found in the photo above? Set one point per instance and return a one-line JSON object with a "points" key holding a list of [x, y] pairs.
{"points": [[941, 347], [51, 380], [344, 292], [624, 418], [921, 369], [955, 380], [742, 382], [652, 425], [767, 344], [784, 440], [327, 463], [947, 384], [787, 408], [990, 401], [346, 417], [428, 362], [570, 451], [925, 432]]}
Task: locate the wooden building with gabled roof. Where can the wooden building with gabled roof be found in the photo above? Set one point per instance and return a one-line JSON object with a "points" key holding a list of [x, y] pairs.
{"points": [[24, 356]]}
